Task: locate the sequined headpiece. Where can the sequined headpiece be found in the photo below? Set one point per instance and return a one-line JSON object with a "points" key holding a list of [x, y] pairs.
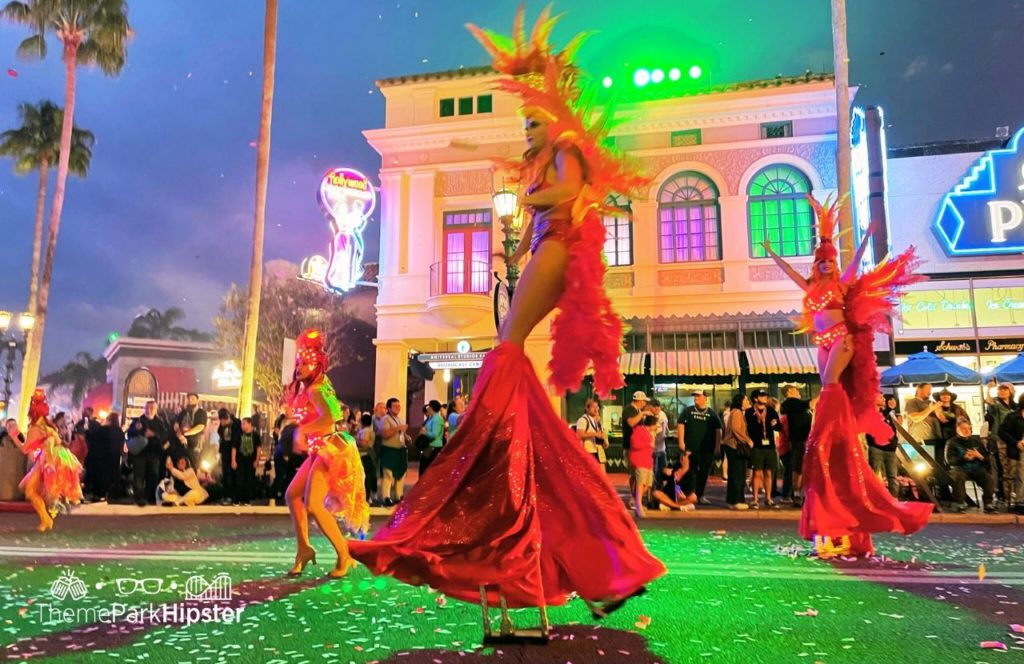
{"points": [[309, 349], [38, 407], [828, 220]]}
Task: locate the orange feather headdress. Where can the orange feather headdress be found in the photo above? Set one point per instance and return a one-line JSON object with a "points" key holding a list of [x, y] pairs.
{"points": [[547, 82]]}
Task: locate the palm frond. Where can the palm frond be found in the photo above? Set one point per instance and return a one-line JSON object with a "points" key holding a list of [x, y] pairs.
{"points": [[32, 48]]}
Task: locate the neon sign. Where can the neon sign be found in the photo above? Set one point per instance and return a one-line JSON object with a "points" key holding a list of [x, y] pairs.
{"points": [[984, 214], [860, 181], [227, 375], [348, 199]]}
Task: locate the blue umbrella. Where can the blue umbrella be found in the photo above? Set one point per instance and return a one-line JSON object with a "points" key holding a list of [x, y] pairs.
{"points": [[928, 368], [1011, 371]]}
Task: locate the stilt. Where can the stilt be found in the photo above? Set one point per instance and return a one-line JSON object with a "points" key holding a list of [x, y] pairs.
{"points": [[507, 628], [487, 617], [508, 634]]}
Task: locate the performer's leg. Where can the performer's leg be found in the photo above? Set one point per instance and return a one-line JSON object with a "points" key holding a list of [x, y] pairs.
{"points": [[34, 493], [839, 357], [537, 292], [295, 495], [386, 483], [316, 491]]}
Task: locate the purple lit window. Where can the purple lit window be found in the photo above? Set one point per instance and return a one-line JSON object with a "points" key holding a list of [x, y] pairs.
{"points": [[688, 222], [467, 251]]}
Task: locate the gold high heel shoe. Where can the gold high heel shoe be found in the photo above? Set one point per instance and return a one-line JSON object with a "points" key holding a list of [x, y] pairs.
{"points": [[302, 558], [342, 567]]}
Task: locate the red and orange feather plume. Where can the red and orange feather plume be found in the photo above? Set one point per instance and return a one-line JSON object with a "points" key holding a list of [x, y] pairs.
{"points": [[547, 82]]}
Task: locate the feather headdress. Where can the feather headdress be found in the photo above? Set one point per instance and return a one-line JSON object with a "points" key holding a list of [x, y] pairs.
{"points": [[547, 81]]}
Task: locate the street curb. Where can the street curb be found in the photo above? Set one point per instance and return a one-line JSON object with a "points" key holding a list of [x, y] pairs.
{"points": [[702, 514]]}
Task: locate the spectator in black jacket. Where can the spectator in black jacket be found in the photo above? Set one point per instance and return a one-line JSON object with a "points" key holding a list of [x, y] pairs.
{"points": [[968, 458], [244, 456], [229, 431], [109, 443], [1011, 433], [797, 412], [150, 463]]}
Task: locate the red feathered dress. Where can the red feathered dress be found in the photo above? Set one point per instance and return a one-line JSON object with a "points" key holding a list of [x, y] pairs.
{"points": [[843, 496], [512, 502]]}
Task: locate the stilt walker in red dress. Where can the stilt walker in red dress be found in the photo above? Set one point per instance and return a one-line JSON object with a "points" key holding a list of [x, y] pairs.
{"points": [[845, 501], [513, 511]]}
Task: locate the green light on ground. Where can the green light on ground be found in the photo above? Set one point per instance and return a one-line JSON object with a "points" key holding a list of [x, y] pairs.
{"points": [[695, 72], [641, 77]]}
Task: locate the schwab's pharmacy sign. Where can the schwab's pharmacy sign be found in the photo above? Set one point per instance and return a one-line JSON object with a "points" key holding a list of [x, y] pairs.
{"points": [[984, 214]]}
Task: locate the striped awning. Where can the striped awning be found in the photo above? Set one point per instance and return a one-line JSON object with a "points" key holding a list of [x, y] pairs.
{"points": [[719, 362], [785, 360], [632, 363]]}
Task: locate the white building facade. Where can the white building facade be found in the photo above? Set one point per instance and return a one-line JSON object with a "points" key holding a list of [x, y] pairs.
{"points": [[704, 307]]}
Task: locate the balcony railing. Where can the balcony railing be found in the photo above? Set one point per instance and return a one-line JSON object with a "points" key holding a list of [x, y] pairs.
{"points": [[452, 278]]}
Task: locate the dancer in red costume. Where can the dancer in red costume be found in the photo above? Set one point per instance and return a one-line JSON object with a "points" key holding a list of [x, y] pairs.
{"points": [[845, 501], [55, 475], [492, 521], [329, 484]]}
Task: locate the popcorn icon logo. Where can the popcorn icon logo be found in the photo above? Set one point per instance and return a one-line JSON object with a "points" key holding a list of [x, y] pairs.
{"points": [[68, 585], [217, 589]]}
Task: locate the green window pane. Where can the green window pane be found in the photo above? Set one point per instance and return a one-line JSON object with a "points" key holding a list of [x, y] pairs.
{"points": [[447, 108], [465, 106], [484, 104]]}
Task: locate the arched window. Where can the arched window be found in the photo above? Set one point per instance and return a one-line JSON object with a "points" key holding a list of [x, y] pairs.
{"points": [[779, 211], [618, 228], [688, 219]]}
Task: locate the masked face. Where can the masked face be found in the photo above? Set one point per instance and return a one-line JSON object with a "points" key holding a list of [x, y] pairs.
{"points": [[536, 131], [304, 370]]}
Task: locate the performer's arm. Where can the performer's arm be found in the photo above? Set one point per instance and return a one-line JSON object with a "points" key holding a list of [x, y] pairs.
{"points": [[797, 278], [522, 247], [851, 269]]}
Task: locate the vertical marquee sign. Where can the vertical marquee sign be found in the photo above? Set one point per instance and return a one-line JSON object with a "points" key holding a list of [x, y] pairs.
{"points": [[348, 200], [984, 214]]}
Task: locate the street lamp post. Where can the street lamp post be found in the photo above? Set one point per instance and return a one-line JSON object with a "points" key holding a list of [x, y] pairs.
{"points": [[13, 344], [507, 206]]}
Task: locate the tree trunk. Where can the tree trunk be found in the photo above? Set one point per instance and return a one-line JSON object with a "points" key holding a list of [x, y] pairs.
{"points": [[34, 349], [841, 64], [37, 245], [252, 318]]}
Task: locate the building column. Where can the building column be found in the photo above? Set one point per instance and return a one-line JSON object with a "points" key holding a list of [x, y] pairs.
{"points": [[392, 372], [735, 242]]}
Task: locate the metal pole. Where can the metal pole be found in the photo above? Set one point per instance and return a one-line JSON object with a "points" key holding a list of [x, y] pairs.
{"points": [[510, 244], [9, 371]]}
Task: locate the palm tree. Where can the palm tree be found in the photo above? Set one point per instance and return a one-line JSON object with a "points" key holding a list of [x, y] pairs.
{"points": [[841, 64], [34, 146], [252, 318], [81, 375], [156, 324], [92, 32]]}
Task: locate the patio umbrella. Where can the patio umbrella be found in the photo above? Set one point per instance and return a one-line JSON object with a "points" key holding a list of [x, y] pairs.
{"points": [[1011, 371], [928, 368]]}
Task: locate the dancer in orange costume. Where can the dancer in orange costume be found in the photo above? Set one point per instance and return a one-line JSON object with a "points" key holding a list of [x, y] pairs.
{"points": [[492, 521], [55, 475], [845, 501], [329, 484]]}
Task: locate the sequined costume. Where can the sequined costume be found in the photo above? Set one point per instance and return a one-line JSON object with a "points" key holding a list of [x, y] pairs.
{"points": [[61, 471], [843, 497], [346, 493], [494, 511]]}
